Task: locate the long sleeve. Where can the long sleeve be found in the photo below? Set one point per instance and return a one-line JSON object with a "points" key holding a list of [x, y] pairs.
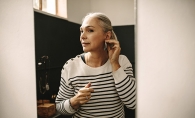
{"points": [[111, 89], [66, 91], [125, 84]]}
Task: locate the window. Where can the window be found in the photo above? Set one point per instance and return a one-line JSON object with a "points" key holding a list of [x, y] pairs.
{"points": [[55, 7]]}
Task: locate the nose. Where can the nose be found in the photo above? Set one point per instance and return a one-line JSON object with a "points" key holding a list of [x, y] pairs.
{"points": [[83, 35]]}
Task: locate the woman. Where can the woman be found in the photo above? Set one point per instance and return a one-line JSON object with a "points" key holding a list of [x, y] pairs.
{"points": [[99, 82]]}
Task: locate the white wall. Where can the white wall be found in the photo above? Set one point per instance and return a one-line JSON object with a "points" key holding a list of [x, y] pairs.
{"points": [[17, 60], [77, 9], [165, 58], [120, 12], [164, 51]]}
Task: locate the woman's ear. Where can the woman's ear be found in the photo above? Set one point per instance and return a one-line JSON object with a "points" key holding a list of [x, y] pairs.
{"points": [[108, 34]]}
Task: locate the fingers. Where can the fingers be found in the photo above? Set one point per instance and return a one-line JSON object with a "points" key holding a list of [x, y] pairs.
{"points": [[84, 94], [86, 90], [113, 44], [87, 97], [112, 41], [84, 99], [88, 85]]}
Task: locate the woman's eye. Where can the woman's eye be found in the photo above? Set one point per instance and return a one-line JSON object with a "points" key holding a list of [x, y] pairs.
{"points": [[81, 31], [90, 30]]}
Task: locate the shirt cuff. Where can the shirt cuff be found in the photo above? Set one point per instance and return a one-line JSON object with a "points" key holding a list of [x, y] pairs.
{"points": [[68, 107], [119, 75]]}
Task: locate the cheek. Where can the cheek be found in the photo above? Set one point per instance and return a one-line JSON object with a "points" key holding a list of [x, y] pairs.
{"points": [[98, 36], [80, 39], [98, 41]]}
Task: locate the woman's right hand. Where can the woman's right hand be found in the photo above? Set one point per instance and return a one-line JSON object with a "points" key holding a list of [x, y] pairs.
{"points": [[82, 97]]}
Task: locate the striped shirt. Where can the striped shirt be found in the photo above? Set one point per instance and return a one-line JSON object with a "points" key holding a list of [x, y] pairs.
{"points": [[112, 90]]}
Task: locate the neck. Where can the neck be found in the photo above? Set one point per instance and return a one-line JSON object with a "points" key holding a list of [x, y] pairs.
{"points": [[96, 59]]}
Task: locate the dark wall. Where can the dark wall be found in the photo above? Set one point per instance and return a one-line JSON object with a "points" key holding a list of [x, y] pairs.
{"points": [[59, 40]]}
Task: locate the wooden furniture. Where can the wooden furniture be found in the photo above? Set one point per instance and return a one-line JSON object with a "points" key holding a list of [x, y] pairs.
{"points": [[46, 110]]}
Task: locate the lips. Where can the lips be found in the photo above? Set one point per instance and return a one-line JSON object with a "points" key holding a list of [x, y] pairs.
{"points": [[85, 44]]}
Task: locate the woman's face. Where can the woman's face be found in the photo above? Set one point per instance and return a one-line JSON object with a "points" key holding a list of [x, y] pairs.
{"points": [[92, 36]]}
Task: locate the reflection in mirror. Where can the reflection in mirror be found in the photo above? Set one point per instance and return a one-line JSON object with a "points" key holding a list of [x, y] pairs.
{"points": [[57, 41]]}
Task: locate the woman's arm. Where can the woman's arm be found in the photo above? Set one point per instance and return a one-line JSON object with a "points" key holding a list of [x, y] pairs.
{"points": [[123, 74], [125, 84], [65, 92], [66, 101]]}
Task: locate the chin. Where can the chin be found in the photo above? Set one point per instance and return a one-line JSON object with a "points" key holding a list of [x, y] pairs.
{"points": [[85, 50]]}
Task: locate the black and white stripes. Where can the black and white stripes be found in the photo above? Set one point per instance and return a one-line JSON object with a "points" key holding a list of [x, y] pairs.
{"points": [[112, 90]]}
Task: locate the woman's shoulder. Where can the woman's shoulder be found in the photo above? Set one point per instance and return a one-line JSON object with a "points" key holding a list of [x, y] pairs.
{"points": [[123, 60], [122, 57], [73, 61]]}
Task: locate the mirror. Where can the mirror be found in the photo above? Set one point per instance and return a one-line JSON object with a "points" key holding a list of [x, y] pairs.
{"points": [[57, 39]]}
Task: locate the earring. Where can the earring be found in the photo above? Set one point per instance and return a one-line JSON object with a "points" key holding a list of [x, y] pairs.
{"points": [[105, 46]]}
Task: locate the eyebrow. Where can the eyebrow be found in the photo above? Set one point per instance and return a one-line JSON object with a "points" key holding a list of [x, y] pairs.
{"points": [[87, 27]]}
